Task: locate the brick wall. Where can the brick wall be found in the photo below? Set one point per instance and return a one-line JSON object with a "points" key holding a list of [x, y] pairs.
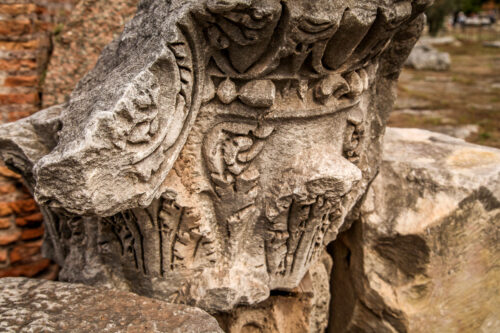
{"points": [[46, 46], [78, 43], [25, 47]]}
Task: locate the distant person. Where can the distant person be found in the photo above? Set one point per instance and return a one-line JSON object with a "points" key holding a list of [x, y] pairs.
{"points": [[461, 19], [455, 19], [492, 16]]}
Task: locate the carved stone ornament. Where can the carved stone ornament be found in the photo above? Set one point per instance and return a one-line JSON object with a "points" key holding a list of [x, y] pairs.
{"points": [[217, 146]]}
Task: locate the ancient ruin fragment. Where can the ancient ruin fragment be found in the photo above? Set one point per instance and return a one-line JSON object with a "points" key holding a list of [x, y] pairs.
{"points": [[217, 146]]}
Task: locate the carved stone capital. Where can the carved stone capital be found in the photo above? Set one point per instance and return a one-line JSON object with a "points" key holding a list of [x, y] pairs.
{"points": [[217, 146]]}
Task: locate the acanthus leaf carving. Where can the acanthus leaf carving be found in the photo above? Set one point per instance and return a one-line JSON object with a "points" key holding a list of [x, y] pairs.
{"points": [[270, 111]]}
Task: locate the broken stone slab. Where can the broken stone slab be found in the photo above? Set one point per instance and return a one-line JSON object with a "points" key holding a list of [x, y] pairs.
{"points": [[423, 254], [493, 44], [436, 41], [426, 57], [28, 305], [217, 146]]}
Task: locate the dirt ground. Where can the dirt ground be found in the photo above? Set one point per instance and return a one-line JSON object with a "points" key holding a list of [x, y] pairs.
{"points": [[468, 94]]}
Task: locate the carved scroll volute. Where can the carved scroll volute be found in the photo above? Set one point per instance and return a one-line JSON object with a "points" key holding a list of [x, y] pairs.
{"points": [[124, 152]]}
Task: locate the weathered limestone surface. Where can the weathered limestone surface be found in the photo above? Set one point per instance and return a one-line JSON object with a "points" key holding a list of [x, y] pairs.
{"points": [[217, 146], [423, 257], [303, 309], [41, 306]]}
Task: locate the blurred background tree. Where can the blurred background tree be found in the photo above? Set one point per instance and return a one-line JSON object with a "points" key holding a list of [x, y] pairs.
{"points": [[438, 12]]}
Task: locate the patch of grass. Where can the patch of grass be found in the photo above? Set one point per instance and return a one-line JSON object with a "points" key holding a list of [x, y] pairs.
{"points": [[463, 80], [419, 76], [485, 136], [462, 95], [434, 121], [58, 29]]}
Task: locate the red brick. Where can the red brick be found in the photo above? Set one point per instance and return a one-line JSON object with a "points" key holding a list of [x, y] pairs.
{"points": [[19, 98], [3, 255], [21, 207], [18, 9], [27, 270], [15, 65], [42, 10], [16, 115], [16, 46], [29, 221], [44, 26], [6, 172], [28, 234], [5, 223], [9, 237], [51, 273], [5, 209], [14, 28], [21, 81], [7, 188], [25, 251]]}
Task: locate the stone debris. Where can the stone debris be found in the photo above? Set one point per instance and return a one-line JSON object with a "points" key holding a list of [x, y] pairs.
{"points": [[423, 254], [494, 44], [436, 41], [460, 132], [28, 305], [426, 57]]}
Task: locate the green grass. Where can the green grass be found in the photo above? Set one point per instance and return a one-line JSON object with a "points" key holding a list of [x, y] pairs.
{"points": [[462, 95]]}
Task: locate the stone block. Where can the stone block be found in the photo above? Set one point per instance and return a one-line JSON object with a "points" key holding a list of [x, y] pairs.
{"points": [[37, 305], [423, 255]]}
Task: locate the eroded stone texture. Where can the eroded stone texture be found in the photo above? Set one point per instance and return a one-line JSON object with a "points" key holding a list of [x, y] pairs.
{"points": [[303, 309], [424, 254], [217, 146], [42, 306]]}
